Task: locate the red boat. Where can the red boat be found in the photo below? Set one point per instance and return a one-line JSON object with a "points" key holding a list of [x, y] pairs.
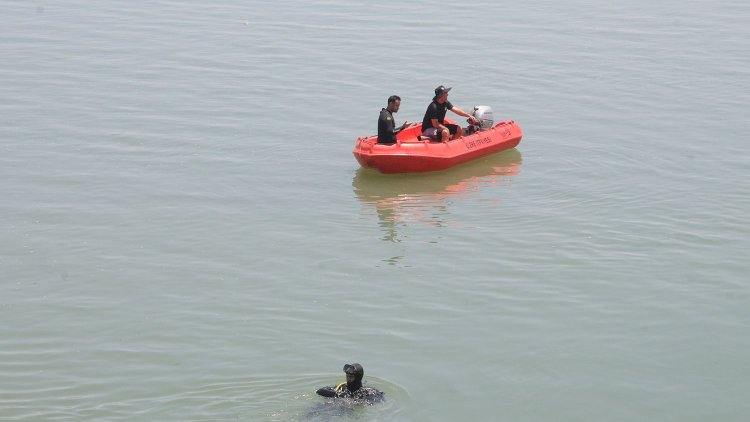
{"points": [[413, 153]]}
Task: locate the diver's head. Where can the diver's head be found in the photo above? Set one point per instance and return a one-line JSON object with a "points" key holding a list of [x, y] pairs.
{"points": [[394, 102], [354, 373]]}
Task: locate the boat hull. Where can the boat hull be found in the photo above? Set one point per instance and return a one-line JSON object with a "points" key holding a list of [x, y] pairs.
{"points": [[412, 155]]}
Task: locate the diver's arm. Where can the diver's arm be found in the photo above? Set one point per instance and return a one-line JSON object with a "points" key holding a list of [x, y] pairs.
{"points": [[402, 127], [326, 392]]}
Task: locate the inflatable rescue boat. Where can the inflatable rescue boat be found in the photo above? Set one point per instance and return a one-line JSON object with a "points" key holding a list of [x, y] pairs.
{"points": [[414, 153]]}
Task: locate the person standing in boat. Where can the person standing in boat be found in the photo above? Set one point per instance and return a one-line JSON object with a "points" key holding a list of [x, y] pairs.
{"points": [[386, 124], [433, 124], [353, 389]]}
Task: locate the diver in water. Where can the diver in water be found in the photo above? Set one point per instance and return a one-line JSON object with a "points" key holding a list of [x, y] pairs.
{"points": [[352, 388]]}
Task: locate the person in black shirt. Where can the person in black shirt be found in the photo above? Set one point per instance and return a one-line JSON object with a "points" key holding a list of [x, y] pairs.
{"points": [[386, 125], [433, 124]]}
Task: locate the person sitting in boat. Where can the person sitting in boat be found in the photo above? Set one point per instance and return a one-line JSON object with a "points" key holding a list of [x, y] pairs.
{"points": [[433, 124], [386, 124], [353, 389]]}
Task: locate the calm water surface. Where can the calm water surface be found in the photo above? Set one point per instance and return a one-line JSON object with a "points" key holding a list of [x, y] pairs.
{"points": [[185, 235]]}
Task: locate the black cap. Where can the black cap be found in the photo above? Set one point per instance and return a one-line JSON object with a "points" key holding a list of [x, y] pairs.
{"points": [[439, 91]]}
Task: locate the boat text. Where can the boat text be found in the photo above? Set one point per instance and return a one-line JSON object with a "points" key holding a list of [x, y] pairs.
{"points": [[478, 142]]}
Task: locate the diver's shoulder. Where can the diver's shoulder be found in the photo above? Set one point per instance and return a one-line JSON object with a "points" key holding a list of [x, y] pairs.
{"points": [[370, 394]]}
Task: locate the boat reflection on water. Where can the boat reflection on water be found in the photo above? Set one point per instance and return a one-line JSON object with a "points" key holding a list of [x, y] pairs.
{"points": [[425, 197]]}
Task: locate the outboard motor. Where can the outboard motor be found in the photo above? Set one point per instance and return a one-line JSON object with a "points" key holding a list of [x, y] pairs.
{"points": [[483, 114]]}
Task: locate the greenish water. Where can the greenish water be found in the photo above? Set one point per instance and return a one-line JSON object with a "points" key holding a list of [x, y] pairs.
{"points": [[185, 234]]}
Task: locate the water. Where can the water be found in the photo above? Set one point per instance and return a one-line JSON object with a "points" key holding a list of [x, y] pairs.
{"points": [[185, 234]]}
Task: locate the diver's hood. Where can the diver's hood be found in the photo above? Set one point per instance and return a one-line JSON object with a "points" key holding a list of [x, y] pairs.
{"points": [[358, 372]]}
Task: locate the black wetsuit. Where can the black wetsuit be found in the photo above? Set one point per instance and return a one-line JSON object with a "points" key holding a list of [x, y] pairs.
{"points": [[386, 127], [365, 394], [353, 390]]}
